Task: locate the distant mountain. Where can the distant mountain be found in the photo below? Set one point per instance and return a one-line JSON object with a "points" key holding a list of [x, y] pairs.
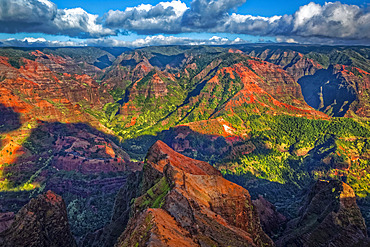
{"points": [[196, 84]]}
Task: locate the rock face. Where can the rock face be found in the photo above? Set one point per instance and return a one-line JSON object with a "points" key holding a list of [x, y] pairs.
{"points": [[42, 92], [213, 97], [189, 202], [189, 86], [271, 220], [152, 88], [329, 217], [136, 62], [76, 161], [331, 92], [42, 222], [108, 235], [293, 62], [158, 228], [334, 81], [6, 219]]}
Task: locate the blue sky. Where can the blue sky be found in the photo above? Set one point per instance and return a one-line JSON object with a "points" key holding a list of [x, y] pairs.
{"points": [[252, 7], [110, 23]]}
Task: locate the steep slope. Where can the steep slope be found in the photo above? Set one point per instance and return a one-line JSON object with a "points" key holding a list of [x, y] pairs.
{"points": [[6, 219], [229, 107], [249, 117], [85, 166], [181, 200], [329, 217], [334, 80], [126, 69], [42, 222], [155, 227], [271, 220], [208, 209], [35, 90], [41, 93], [197, 86], [108, 235], [294, 62], [337, 91]]}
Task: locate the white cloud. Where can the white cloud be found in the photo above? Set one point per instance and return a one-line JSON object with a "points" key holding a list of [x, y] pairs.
{"points": [[305, 13], [43, 16], [77, 22], [331, 21], [286, 40], [163, 17], [37, 42], [208, 14], [16, 15], [157, 40]]}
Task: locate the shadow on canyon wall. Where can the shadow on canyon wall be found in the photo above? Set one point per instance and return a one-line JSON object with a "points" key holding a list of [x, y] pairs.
{"points": [[97, 191]]}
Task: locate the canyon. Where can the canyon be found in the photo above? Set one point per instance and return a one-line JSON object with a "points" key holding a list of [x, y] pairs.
{"points": [[203, 145]]}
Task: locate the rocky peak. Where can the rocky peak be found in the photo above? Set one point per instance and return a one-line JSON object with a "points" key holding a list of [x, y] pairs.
{"points": [[160, 154], [151, 86], [206, 209], [329, 217], [42, 222]]}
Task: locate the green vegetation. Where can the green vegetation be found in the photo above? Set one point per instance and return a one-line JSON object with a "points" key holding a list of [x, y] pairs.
{"points": [[273, 148], [86, 54], [111, 110], [16, 55], [287, 149], [293, 150], [154, 197], [354, 56], [88, 214]]}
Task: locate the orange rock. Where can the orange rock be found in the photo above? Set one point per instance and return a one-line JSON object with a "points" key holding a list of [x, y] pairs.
{"points": [[199, 207]]}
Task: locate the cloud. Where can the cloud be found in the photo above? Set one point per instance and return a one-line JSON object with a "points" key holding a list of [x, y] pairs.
{"points": [[206, 14], [286, 40], [160, 40], [157, 40], [37, 42], [162, 18], [43, 16], [23, 15], [334, 20], [78, 23], [331, 20], [172, 17]]}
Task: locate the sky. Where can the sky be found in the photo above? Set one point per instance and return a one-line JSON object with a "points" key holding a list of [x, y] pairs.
{"points": [[153, 22]]}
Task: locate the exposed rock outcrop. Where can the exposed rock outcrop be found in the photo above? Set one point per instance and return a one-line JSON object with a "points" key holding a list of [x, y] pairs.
{"points": [[329, 217], [155, 227], [271, 220], [204, 208], [338, 86], [42, 222], [6, 219]]}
